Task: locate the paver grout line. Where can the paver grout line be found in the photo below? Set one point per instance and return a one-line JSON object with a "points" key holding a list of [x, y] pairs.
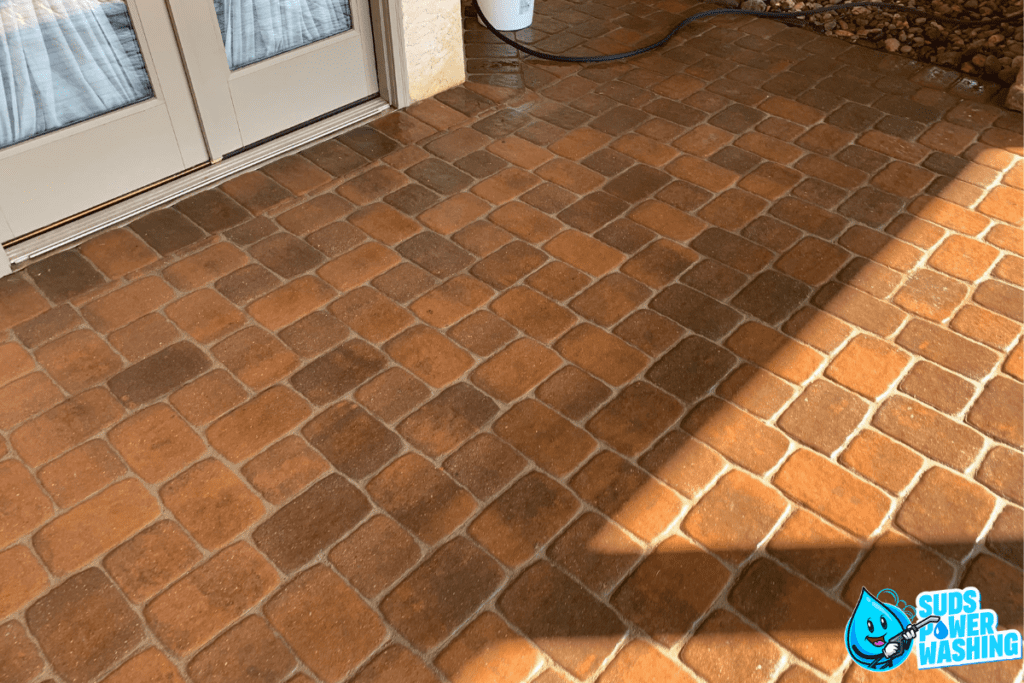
{"points": [[721, 602], [864, 547], [959, 567], [867, 422], [979, 547], [320, 559], [211, 552]]}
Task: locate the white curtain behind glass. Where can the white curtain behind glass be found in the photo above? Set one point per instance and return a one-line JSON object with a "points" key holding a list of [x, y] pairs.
{"points": [[254, 30], [64, 61]]}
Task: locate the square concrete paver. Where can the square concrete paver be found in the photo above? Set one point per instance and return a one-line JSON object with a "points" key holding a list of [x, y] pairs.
{"points": [[633, 372]]}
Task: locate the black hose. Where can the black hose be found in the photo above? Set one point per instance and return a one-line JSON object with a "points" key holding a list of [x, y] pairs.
{"points": [[749, 12]]}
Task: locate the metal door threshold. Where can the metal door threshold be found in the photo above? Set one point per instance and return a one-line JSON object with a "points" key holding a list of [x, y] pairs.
{"points": [[120, 210]]}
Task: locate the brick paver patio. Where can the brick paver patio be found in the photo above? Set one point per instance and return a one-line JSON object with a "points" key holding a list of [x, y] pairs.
{"points": [[632, 373]]}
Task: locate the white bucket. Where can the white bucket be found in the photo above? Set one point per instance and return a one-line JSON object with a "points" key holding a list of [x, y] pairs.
{"points": [[507, 15]]}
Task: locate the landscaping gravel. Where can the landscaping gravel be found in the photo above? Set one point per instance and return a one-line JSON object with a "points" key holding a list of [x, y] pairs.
{"points": [[993, 52]]}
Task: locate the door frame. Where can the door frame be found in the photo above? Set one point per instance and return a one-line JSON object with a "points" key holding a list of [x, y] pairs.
{"points": [[389, 50], [393, 82], [239, 108]]}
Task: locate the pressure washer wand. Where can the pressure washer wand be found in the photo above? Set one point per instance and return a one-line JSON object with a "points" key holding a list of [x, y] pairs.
{"points": [[917, 626], [933, 619], [899, 643]]}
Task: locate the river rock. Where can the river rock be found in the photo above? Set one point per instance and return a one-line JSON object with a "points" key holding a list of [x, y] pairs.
{"points": [[988, 51], [1015, 96]]}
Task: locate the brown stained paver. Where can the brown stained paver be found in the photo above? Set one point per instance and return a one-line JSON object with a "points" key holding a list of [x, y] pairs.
{"points": [[623, 373]]}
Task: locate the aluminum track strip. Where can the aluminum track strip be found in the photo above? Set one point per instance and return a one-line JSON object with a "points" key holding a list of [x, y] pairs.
{"points": [[189, 183]]}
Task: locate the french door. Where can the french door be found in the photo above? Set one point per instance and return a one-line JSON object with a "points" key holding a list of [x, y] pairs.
{"points": [[256, 72], [99, 98]]}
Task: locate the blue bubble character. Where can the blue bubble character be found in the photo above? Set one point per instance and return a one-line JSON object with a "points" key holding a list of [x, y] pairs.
{"points": [[879, 635]]}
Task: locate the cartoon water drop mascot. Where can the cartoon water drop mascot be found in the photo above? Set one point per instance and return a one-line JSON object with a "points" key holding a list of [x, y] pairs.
{"points": [[879, 635]]}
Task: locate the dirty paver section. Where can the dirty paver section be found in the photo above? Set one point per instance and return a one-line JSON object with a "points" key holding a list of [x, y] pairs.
{"points": [[624, 373]]}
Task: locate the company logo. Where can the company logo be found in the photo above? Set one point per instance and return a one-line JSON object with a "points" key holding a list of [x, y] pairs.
{"points": [[949, 626], [964, 634]]}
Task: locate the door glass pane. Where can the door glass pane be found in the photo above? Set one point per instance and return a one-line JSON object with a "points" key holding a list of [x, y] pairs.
{"points": [[254, 30], [65, 61]]}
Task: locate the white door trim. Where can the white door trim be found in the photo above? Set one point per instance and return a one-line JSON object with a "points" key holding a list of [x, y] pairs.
{"points": [[199, 179], [389, 48], [243, 106]]}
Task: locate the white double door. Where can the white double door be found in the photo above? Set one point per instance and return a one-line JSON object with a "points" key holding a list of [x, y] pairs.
{"points": [[99, 98]]}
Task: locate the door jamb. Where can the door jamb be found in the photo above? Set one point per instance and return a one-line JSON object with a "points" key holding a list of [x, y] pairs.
{"points": [[5, 260], [389, 50], [5, 231]]}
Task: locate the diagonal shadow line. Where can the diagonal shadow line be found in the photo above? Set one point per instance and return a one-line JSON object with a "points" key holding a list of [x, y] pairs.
{"points": [[671, 591], [675, 588], [762, 590]]}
